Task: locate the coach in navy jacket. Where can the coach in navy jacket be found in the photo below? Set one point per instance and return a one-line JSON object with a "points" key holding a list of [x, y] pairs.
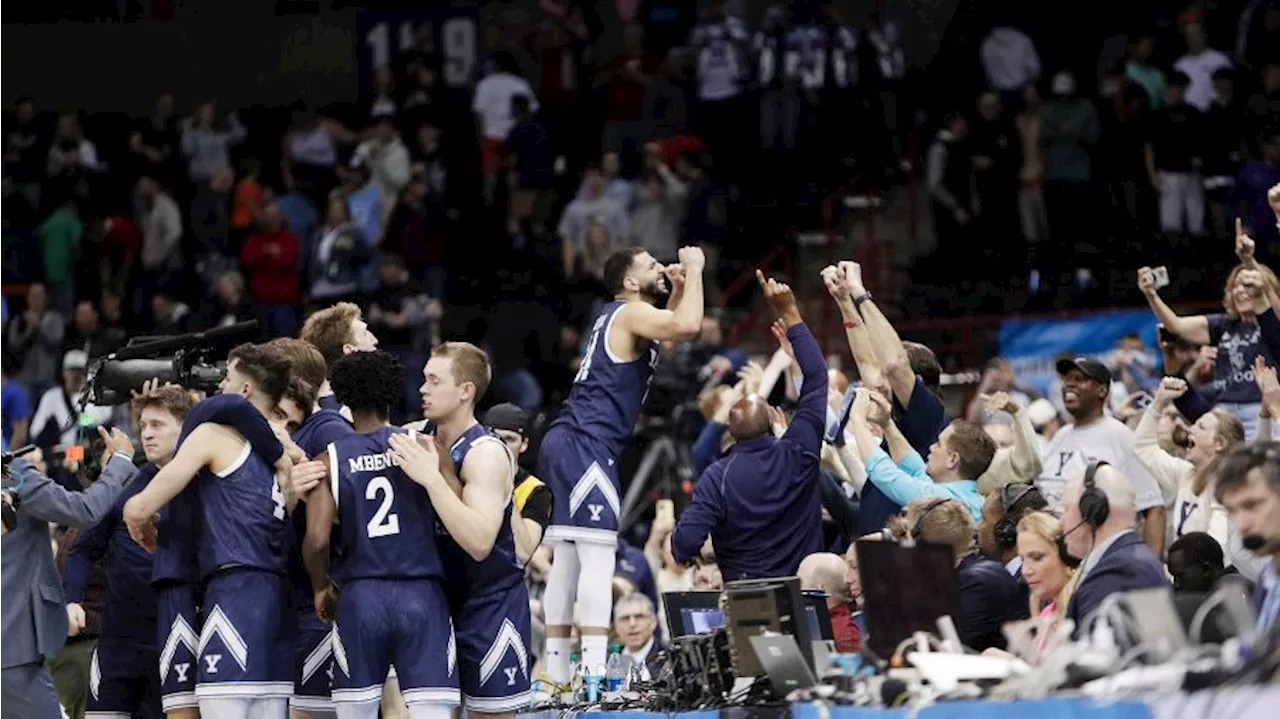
{"points": [[1114, 558], [761, 502]]}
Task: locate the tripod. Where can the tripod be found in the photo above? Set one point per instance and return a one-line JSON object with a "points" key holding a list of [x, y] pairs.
{"points": [[666, 464]]}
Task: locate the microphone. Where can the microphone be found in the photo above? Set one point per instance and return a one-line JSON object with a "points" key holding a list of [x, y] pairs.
{"points": [[1253, 542]]}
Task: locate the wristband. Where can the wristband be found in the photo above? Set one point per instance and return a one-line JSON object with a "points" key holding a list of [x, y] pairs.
{"points": [[857, 301]]}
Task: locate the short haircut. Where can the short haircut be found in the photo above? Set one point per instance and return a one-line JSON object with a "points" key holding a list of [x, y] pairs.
{"points": [[1030, 502], [924, 363], [1233, 471], [949, 523], [469, 363], [1199, 549], [1114, 485], [302, 393], [174, 400], [268, 371], [617, 267], [368, 381], [1178, 78], [974, 445], [634, 599], [305, 361], [329, 330]]}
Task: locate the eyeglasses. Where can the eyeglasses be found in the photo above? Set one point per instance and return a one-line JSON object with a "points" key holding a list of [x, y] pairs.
{"points": [[633, 617]]}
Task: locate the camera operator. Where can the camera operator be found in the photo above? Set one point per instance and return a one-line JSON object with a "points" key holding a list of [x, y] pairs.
{"points": [[34, 617]]}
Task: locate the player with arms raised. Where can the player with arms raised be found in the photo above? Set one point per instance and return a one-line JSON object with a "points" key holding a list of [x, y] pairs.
{"points": [[391, 609], [578, 455]]}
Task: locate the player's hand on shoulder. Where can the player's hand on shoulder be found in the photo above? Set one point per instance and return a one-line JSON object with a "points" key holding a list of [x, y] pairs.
{"points": [[306, 476], [418, 459], [75, 619]]}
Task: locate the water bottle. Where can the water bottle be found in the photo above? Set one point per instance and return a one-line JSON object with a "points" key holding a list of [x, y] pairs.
{"points": [[575, 676], [616, 670]]}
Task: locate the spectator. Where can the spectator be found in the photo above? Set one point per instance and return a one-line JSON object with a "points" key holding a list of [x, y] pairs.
{"points": [[402, 314], [720, 52], [492, 106], [656, 218], [989, 596], [247, 200], [623, 80], [1031, 207], [1099, 516], [57, 420], [533, 177], [996, 156], [169, 316], [1196, 563], [230, 304], [1049, 573], [1199, 64], [1010, 60], [210, 216], [1139, 69], [824, 572], [154, 143], [270, 259], [1223, 151], [635, 622], [340, 254], [309, 157], [1001, 513], [388, 161], [1094, 436], [590, 207], [207, 146], [35, 336], [1249, 487], [160, 220], [15, 409], [86, 332], [1178, 146], [60, 235], [1069, 131], [1251, 200], [1263, 106], [415, 232], [950, 179]]}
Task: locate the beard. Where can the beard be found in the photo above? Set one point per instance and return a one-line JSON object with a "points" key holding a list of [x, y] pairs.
{"points": [[657, 289]]}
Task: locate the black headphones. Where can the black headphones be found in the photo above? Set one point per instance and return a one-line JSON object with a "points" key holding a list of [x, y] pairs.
{"points": [[918, 529], [1094, 505], [1063, 554], [1006, 530]]}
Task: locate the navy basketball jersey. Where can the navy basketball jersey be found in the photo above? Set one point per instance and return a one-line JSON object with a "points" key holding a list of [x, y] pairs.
{"points": [[242, 516], [322, 428], [607, 393], [385, 519], [502, 568]]}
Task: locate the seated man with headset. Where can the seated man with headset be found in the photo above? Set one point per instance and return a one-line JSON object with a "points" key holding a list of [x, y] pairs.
{"points": [[1098, 526]]}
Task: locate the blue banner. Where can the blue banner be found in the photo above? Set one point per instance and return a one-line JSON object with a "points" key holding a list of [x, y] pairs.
{"points": [[1032, 345]]}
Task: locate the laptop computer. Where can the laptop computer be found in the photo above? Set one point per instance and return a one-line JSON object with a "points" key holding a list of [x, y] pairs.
{"points": [[783, 663]]}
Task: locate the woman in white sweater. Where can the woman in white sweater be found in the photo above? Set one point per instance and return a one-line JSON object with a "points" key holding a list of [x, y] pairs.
{"points": [[1189, 481]]}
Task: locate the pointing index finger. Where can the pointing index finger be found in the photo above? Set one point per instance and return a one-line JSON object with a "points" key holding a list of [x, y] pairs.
{"points": [[760, 278]]}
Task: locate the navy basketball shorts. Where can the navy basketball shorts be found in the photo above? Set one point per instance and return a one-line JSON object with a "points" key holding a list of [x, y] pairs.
{"points": [[246, 641], [178, 636], [121, 678], [584, 484], [403, 623], [312, 663], [494, 657]]}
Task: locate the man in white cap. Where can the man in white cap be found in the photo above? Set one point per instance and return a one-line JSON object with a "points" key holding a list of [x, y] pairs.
{"points": [[57, 417]]}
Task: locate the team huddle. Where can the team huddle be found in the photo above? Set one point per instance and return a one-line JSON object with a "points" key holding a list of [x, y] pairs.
{"points": [[300, 551]]}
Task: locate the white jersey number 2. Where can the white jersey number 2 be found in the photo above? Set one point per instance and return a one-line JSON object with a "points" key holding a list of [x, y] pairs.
{"points": [[384, 522]]}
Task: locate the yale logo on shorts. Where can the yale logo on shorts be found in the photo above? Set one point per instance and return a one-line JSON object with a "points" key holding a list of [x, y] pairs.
{"points": [[182, 670], [511, 675], [211, 662], [595, 510]]}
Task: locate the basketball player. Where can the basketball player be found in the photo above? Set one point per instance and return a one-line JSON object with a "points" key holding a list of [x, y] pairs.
{"points": [[123, 675], [391, 610], [578, 455], [245, 651], [487, 594], [312, 430], [337, 331]]}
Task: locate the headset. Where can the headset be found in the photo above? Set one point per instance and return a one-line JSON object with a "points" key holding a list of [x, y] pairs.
{"points": [[1006, 530], [1094, 505], [918, 529]]}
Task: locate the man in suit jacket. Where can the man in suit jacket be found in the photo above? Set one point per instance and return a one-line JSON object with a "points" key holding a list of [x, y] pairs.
{"points": [[1113, 556], [635, 621], [33, 613]]}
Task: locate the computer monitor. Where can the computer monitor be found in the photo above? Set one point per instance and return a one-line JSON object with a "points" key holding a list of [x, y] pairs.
{"points": [[818, 616], [755, 606], [905, 589], [693, 612]]}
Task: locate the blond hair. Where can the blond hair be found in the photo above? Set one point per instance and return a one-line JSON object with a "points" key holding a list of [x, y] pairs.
{"points": [[1047, 527], [1229, 304], [469, 364], [943, 521]]}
